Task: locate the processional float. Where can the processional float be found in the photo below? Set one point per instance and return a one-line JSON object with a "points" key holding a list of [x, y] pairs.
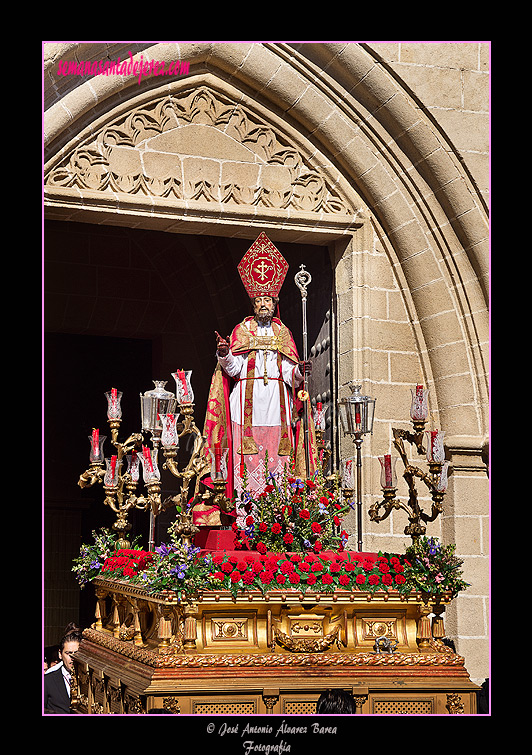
{"points": [[229, 629]]}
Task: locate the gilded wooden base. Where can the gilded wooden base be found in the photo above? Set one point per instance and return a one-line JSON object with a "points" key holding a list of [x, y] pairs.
{"points": [[266, 654]]}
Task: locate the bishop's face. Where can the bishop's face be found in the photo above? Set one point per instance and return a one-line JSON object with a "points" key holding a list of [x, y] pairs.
{"points": [[263, 308]]}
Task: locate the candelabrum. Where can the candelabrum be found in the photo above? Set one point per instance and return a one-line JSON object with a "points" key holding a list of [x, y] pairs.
{"points": [[435, 479], [168, 418]]}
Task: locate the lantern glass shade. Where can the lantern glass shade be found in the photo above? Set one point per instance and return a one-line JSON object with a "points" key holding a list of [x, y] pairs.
{"points": [[356, 413], [154, 403], [441, 485], [169, 435], [114, 410], [219, 463], [348, 473], [112, 472], [96, 451], [435, 447], [388, 475], [318, 415], [133, 466], [419, 408], [150, 470], [184, 392]]}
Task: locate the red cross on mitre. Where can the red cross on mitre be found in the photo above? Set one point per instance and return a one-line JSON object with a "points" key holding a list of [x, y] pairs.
{"points": [[263, 268]]}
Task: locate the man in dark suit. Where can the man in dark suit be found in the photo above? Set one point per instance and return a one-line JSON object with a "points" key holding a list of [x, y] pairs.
{"points": [[57, 682]]}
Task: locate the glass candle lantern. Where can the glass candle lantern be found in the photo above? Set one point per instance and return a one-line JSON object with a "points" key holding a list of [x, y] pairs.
{"points": [[435, 447], [419, 408], [388, 475], [184, 392], [441, 485], [348, 474], [218, 457], [133, 466], [169, 435], [112, 472], [154, 403], [114, 410], [96, 451], [150, 470], [356, 413], [318, 416]]}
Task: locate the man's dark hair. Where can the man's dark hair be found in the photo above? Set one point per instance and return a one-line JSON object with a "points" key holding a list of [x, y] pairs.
{"points": [[336, 701]]}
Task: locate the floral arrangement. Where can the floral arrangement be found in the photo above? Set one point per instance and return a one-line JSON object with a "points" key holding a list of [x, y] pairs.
{"points": [[309, 572], [433, 568], [92, 557], [426, 567], [294, 515]]}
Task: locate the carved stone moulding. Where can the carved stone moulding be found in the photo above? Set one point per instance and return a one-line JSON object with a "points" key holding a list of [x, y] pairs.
{"points": [[199, 153]]}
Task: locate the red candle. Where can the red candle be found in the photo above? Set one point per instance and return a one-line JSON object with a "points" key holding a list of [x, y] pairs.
{"points": [[217, 459], [95, 443], [182, 377], [388, 470], [357, 414], [147, 457], [113, 467]]}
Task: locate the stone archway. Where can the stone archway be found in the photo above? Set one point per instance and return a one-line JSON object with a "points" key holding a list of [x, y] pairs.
{"points": [[316, 143], [329, 147]]}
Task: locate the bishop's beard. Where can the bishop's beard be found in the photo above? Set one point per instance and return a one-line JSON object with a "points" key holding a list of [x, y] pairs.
{"points": [[264, 320]]}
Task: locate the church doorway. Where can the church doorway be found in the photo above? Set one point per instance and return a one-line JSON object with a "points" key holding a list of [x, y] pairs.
{"points": [[124, 307]]}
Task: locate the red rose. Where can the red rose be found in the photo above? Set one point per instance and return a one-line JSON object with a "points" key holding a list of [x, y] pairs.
{"points": [[263, 527], [241, 566], [219, 575], [398, 567], [257, 567], [324, 500], [304, 567], [316, 528], [399, 579], [269, 488], [335, 567], [326, 579], [227, 567], [360, 579], [249, 520], [248, 577], [236, 576], [317, 546], [384, 567], [336, 520], [343, 580], [304, 514], [368, 564], [311, 579], [386, 579], [294, 578], [276, 528], [280, 579], [288, 538], [317, 566], [374, 579], [261, 547], [311, 485], [266, 577], [296, 558], [349, 566]]}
